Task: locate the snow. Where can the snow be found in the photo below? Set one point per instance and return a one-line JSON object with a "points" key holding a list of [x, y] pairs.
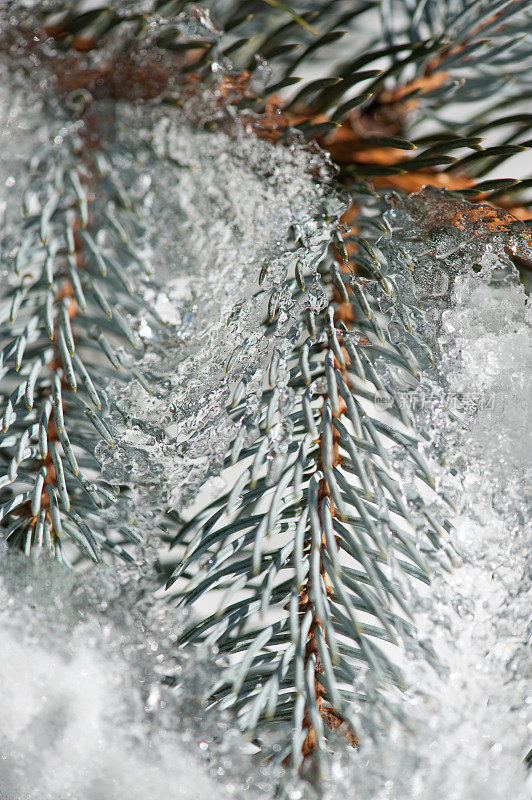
{"points": [[483, 709], [81, 711]]}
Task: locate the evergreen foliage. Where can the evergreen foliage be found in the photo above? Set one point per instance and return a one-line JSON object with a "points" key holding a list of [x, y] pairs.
{"points": [[315, 559]]}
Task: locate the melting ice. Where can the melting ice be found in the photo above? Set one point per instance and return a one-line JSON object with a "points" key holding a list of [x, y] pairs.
{"points": [[217, 210]]}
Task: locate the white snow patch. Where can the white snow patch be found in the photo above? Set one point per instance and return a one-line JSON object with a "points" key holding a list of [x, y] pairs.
{"points": [[76, 705]]}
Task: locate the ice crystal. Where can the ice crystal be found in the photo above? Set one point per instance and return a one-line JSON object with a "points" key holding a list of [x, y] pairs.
{"points": [[217, 211], [433, 240]]}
